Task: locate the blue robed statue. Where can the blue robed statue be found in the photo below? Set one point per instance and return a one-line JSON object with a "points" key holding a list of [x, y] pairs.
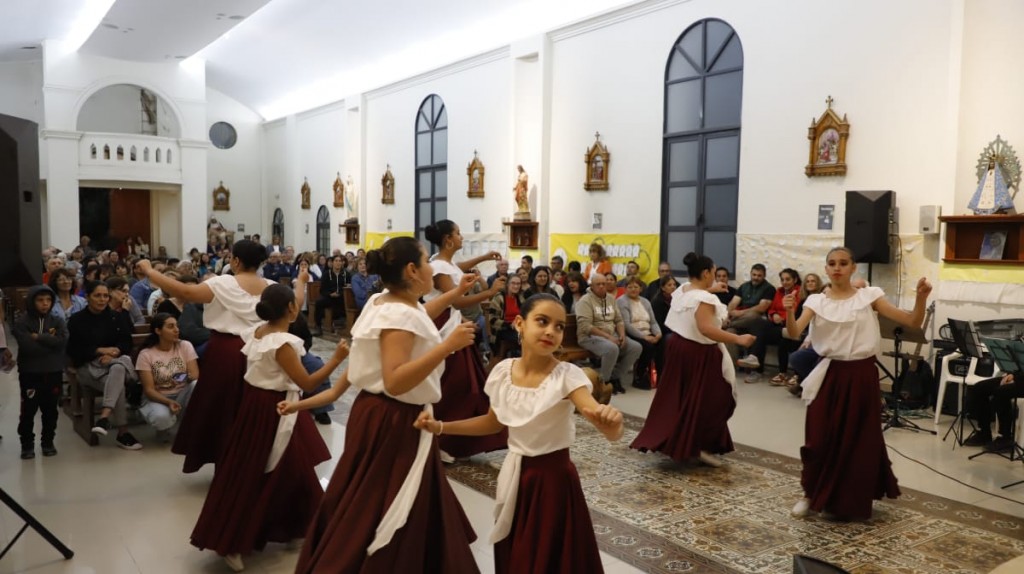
{"points": [[992, 195]]}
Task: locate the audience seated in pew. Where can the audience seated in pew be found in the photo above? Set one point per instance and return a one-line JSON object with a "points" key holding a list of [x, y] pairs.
{"points": [[168, 368]]}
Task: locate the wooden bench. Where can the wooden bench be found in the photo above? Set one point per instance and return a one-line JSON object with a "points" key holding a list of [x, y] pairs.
{"points": [[572, 352], [313, 293], [351, 311]]}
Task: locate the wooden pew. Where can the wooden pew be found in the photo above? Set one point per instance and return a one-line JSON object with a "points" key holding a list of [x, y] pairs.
{"points": [[572, 352], [313, 293]]}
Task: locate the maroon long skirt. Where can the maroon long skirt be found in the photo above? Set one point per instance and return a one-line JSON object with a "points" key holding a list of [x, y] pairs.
{"points": [[551, 530], [692, 406], [247, 507], [380, 445], [463, 397], [845, 462], [214, 404]]}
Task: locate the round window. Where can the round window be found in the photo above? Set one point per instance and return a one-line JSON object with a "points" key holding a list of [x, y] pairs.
{"points": [[223, 135]]}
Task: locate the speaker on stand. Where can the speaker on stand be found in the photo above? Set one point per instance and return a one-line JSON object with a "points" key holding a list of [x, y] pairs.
{"points": [[871, 222]]}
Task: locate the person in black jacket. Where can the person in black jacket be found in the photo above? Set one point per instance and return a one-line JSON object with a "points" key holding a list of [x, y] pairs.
{"points": [[332, 292], [100, 345], [41, 338]]}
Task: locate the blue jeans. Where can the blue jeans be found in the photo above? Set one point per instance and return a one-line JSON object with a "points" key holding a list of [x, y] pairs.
{"points": [[312, 364]]}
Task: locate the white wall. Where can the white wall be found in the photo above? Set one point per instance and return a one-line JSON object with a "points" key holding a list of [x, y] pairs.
{"points": [[239, 167], [275, 180], [118, 109], [477, 99], [21, 90], [321, 144], [895, 88]]}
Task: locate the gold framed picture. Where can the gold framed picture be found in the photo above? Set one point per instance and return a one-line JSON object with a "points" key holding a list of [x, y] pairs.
{"points": [[387, 184], [597, 159], [827, 138], [221, 198], [475, 174]]}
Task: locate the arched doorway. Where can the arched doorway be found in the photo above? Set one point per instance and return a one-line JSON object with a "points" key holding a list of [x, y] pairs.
{"points": [[323, 230], [277, 227]]}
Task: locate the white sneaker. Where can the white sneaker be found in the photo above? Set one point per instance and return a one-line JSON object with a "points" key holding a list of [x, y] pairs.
{"points": [[801, 508], [710, 459], [234, 562], [447, 458], [749, 362], [752, 377]]}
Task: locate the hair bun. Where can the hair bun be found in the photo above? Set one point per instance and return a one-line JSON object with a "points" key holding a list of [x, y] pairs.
{"points": [[432, 234], [263, 311], [690, 258]]}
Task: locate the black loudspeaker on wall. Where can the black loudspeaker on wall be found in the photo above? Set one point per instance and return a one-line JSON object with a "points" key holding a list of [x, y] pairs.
{"points": [[21, 231], [870, 220]]}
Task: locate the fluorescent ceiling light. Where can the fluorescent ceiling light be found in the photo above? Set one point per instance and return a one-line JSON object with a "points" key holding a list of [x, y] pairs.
{"points": [[88, 18]]}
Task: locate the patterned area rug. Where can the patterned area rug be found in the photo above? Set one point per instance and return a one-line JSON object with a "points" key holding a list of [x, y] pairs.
{"points": [[664, 517]]}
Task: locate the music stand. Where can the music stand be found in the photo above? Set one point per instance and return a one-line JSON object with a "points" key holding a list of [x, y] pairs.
{"points": [[899, 334], [969, 345], [35, 524], [1009, 355]]}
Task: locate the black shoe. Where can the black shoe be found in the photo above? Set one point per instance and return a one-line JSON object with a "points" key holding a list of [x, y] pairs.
{"points": [[617, 388], [102, 426], [978, 438], [1000, 444], [128, 442], [28, 452], [322, 418], [49, 449], [642, 385]]}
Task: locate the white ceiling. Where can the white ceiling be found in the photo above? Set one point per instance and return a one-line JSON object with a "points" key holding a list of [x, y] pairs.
{"points": [[285, 56]]}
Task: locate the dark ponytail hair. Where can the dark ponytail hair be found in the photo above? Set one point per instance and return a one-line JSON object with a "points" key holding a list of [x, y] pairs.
{"points": [[436, 232], [697, 264], [91, 286], [157, 322], [274, 302], [390, 260], [249, 253], [534, 300]]}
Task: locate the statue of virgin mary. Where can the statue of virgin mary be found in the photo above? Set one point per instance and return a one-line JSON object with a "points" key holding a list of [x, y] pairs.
{"points": [[992, 195]]}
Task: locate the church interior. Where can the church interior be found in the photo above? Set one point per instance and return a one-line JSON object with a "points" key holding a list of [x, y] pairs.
{"points": [[751, 132]]}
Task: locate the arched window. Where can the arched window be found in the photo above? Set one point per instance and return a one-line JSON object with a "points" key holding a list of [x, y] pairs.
{"points": [[132, 154], [431, 165], [277, 227], [120, 152], [700, 181], [158, 152], [145, 154], [106, 151], [323, 230], [168, 155], [92, 151]]}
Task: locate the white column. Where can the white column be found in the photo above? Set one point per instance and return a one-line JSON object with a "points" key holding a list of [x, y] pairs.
{"points": [[194, 214], [531, 87], [62, 188]]}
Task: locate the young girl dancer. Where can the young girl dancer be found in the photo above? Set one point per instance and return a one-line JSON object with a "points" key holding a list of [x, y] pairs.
{"points": [[230, 309], [389, 507], [844, 457], [463, 380], [264, 488], [541, 518], [696, 389]]}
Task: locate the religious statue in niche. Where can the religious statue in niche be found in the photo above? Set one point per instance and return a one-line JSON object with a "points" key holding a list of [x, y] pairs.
{"points": [[998, 172], [221, 198], [475, 173], [828, 136], [387, 184], [305, 193], [522, 196], [351, 202], [596, 158], [339, 191]]}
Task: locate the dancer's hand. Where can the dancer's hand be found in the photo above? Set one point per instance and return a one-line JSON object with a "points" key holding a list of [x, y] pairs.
{"points": [[606, 419], [287, 407], [463, 336], [145, 265], [746, 340], [303, 277], [428, 423], [493, 255], [924, 288], [789, 302], [1007, 380], [467, 281], [341, 351], [499, 285]]}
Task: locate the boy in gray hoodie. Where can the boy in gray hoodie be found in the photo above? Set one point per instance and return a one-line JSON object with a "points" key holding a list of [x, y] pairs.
{"points": [[42, 338]]}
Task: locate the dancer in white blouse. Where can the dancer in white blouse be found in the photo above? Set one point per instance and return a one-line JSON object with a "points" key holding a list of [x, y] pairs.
{"points": [[844, 456], [389, 507], [541, 519]]}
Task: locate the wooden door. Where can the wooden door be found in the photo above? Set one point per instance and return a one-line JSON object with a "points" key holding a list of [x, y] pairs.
{"points": [[130, 215]]}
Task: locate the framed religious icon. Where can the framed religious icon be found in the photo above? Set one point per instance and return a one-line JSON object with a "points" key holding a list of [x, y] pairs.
{"points": [[339, 192], [827, 137], [305, 191], [597, 159], [475, 174], [221, 198], [387, 184]]}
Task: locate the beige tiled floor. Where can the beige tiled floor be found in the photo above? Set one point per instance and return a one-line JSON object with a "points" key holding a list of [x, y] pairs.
{"points": [[129, 512]]}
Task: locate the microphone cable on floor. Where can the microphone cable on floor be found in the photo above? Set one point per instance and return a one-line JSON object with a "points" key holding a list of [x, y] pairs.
{"points": [[956, 480]]}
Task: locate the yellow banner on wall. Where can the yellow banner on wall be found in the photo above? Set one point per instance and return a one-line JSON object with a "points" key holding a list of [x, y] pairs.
{"points": [[376, 240], [620, 247]]}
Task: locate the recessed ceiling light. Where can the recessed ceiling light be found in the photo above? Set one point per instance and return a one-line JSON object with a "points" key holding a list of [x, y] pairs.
{"points": [[221, 14], [111, 26], [236, 17], [29, 47], [180, 57]]}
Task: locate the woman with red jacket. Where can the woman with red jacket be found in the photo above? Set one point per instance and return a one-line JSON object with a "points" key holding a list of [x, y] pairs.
{"points": [[773, 333]]}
